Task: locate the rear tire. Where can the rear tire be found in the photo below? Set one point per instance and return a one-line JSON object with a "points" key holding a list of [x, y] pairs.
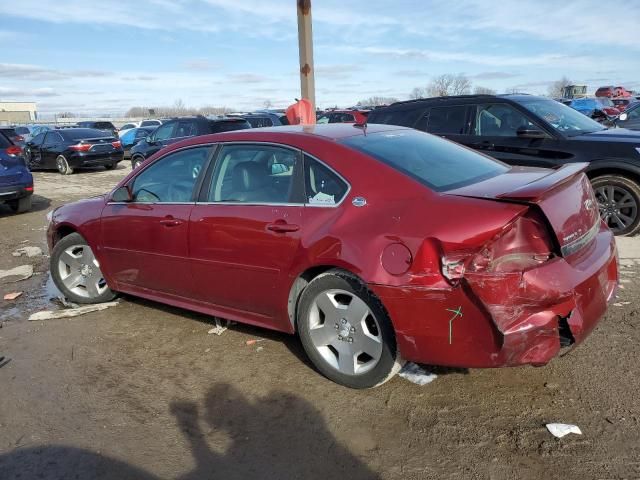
{"points": [[76, 272], [111, 166], [619, 203], [20, 205], [63, 166], [136, 162], [346, 331]]}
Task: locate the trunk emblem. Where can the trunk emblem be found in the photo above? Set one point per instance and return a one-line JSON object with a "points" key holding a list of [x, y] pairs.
{"points": [[359, 202]]}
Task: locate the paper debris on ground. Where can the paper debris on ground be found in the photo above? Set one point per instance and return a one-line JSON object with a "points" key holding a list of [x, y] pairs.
{"points": [[221, 326], [12, 295], [259, 349], [27, 251], [416, 374], [22, 273], [71, 312], [559, 430], [254, 341]]}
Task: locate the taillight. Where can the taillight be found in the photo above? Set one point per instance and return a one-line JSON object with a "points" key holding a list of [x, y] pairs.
{"points": [[13, 150], [81, 147], [116, 144], [524, 244]]}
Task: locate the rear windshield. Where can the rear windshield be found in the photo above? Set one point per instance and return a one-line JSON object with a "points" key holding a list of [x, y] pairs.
{"points": [[437, 163], [22, 131], [81, 133], [219, 127]]}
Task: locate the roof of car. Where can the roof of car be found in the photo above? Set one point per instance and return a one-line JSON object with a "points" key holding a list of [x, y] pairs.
{"points": [[419, 101], [331, 131]]}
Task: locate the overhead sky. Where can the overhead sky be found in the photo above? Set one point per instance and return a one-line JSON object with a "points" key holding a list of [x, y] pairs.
{"points": [[105, 56]]}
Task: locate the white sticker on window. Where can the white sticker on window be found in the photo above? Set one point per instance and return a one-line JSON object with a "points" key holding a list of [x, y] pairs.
{"points": [[322, 199]]}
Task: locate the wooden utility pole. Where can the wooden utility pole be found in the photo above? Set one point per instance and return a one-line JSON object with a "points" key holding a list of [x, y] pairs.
{"points": [[305, 46]]}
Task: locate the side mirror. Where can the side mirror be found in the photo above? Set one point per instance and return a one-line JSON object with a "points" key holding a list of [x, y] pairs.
{"points": [[149, 140], [623, 117], [122, 194], [278, 168], [530, 132]]}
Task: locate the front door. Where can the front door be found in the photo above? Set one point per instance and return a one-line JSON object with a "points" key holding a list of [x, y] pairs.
{"points": [[494, 128], [145, 242], [245, 234]]}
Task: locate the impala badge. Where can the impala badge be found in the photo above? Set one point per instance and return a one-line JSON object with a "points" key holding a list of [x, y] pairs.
{"points": [[588, 204]]}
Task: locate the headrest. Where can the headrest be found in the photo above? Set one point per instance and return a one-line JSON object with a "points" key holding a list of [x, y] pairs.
{"points": [[248, 176]]}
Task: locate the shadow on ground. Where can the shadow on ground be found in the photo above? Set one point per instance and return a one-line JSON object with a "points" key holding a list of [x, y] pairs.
{"points": [[279, 436]]}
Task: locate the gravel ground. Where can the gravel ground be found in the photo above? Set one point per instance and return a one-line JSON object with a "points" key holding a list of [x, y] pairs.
{"points": [[142, 391]]}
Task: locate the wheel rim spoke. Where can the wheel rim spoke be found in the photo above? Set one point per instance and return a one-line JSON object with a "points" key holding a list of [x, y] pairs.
{"points": [[344, 331], [80, 272]]}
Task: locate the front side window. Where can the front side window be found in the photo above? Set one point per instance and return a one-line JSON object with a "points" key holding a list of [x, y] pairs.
{"points": [[140, 133], [163, 132], [322, 185], [171, 179], [437, 163], [127, 126], [37, 140], [52, 138], [562, 118], [445, 120], [499, 120], [254, 174], [634, 114]]}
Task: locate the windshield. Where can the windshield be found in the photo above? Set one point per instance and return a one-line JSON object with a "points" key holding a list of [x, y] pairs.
{"points": [[437, 163], [564, 119]]}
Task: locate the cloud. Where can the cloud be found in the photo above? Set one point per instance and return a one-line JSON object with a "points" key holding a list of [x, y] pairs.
{"points": [[493, 75], [200, 64], [28, 93], [140, 78], [474, 58], [411, 73], [34, 72], [247, 78]]}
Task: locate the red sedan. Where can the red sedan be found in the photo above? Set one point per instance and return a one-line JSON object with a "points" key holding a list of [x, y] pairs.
{"points": [[374, 244]]}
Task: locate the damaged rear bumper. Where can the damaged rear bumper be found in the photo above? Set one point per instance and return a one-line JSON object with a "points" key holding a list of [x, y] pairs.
{"points": [[494, 320]]}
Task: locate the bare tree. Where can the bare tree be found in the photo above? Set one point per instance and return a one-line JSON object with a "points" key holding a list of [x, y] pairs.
{"points": [[376, 101], [267, 104], [556, 88], [448, 84], [478, 90], [418, 92], [512, 90], [66, 115]]}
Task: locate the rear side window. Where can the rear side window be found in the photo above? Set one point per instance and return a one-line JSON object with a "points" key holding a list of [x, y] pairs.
{"points": [[444, 120], [219, 127], [437, 163], [259, 122], [4, 141], [322, 186], [186, 129], [403, 118]]}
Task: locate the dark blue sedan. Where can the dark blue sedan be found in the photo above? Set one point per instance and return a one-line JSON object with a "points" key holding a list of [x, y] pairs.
{"points": [[16, 181]]}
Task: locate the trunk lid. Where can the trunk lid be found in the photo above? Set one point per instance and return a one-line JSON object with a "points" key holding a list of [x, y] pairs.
{"points": [[564, 195]]}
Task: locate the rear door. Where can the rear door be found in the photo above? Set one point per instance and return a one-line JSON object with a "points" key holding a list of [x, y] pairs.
{"points": [[34, 154], [245, 231], [145, 242], [51, 148], [494, 128]]}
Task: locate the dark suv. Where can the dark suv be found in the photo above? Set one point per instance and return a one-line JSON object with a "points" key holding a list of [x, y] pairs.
{"points": [[539, 132], [178, 129]]}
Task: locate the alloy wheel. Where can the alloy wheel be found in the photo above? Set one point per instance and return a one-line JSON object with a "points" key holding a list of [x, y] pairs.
{"points": [[345, 332], [80, 272], [618, 208]]}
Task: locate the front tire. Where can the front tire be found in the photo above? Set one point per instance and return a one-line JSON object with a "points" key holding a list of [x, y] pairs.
{"points": [[619, 203], [111, 166], [346, 331], [20, 205], [76, 272], [63, 166]]}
